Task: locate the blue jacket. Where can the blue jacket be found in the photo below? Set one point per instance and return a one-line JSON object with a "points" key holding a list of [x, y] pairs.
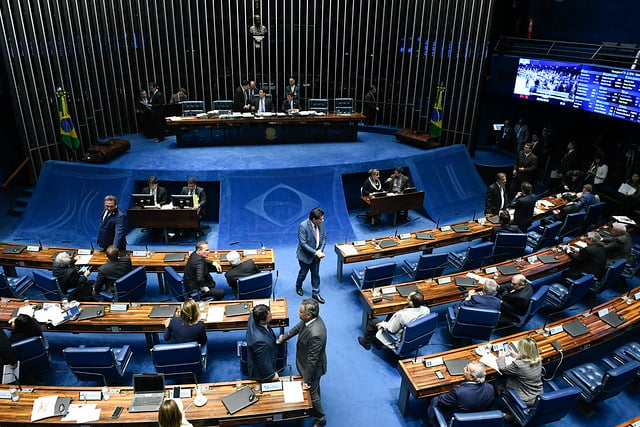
{"points": [[261, 351], [307, 241], [113, 230]]}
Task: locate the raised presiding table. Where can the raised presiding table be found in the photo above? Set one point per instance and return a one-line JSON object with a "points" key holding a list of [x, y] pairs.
{"points": [[424, 240], [269, 407], [392, 203], [419, 378], [164, 219], [267, 128]]}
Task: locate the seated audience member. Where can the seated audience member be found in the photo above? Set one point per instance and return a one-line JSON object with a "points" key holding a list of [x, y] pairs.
{"points": [[170, 415], [496, 198], [504, 226], [64, 269], [179, 96], [197, 273], [239, 269], [415, 308], [572, 181], [397, 182], [108, 273], [515, 297], [199, 196], [372, 185], [262, 353], [524, 374], [23, 327], [580, 204], [618, 246], [484, 299], [159, 193], [473, 395], [523, 204], [290, 105], [590, 260], [187, 327]]}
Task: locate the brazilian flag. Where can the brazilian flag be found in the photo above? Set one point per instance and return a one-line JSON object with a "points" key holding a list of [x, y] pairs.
{"points": [[435, 125], [68, 133]]}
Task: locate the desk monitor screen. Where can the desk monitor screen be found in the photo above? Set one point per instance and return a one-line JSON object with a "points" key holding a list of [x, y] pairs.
{"points": [[182, 201], [142, 200]]}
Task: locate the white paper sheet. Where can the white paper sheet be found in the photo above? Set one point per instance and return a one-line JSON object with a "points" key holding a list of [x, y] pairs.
{"points": [[292, 391]]}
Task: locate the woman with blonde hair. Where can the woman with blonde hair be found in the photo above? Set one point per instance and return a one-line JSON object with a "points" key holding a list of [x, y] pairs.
{"points": [[372, 185], [188, 327], [524, 374], [171, 415]]}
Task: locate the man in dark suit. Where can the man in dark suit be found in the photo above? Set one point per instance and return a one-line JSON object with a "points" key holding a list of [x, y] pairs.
{"points": [[197, 277], [568, 163], [524, 203], [619, 246], [156, 102], [241, 102], [515, 298], [159, 193], [473, 395], [312, 239], [262, 352], [505, 226], [262, 104], [370, 106], [496, 198], [311, 356], [591, 259], [293, 89], [193, 189], [524, 169], [179, 96], [290, 105], [239, 269], [486, 298], [397, 182], [506, 137], [113, 225], [114, 269]]}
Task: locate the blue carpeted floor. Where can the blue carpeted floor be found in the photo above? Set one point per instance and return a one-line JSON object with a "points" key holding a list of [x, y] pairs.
{"points": [[360, 388]]}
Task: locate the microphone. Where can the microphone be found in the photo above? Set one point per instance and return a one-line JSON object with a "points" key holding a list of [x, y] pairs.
{"points": [[146, 248], [262, 247], [395, 233], [39, 244], [273, 288], [17, 380], [438, 223], [200, 399], [105, 388], [92, 248], [473, 216]]}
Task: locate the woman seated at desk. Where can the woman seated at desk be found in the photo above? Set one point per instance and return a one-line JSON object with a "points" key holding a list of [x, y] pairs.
{"points": [[372, 185], [524, 374], [186, 328]]}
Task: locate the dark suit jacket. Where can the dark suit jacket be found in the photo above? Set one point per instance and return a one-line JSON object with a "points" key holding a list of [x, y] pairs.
{"points": [[243, 269], [113, 230], [404, 183], [69, 277], [511, 228], [156, 98], [368, 188], [492, 199], [311, 356], [590, 260], [529, 163], [307, 241], [239, 96], [175, 98], [523, 214], [286, 106], [295, 90], [202, 198], [568, 162], [110, 272], [196, 273], [483, 301], [467, 397], [514, 302], [262, 352], [161, 194], [268, 104], [619, 247]]}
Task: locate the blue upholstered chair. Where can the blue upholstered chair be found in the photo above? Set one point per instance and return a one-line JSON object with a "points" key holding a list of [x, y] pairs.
{"points": [[597, 384], [548, 407], [319, 105], [257, 285], [592, 215], [562, 296], [471, 419], [14, 287], [544, 236], [179, 357], [508, 246], [612, 274], [176, 286], [191, 108], [428, 266], [472, 322], [47, 283], [472, 258], [374, 276], [536, 302], [343, 105], [33, 354], [222, 104], [629, 351], [414, 335], [572, 225], [98, 363], [130, 287]]}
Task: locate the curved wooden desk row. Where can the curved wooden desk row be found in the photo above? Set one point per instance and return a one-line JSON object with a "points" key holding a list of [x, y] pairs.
{"points": [[349, 253], [270, 406], [420, 381], [634, 422], [153, 263]]}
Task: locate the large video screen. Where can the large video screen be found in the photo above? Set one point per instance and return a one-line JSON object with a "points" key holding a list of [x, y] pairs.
{"points": [[614, 92]]}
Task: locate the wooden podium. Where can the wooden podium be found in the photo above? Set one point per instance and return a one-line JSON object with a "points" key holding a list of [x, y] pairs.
{"points": [[418, 139]]}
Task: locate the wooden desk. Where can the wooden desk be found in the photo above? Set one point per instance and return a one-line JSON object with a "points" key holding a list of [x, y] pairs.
{"points": [[634, 422], [270, 406], [348, 253], [164, 219], [420, 382], [191, 131], [394, 203]]}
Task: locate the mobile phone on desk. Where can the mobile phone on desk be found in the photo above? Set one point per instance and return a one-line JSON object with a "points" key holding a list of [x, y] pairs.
{"points": [[117, 412], [439, 375], [176, 392], [84, 268]]}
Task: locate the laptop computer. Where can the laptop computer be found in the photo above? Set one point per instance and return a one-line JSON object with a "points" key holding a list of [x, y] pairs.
{"points": [[456, 366], [466, 282], [548, 259], [163, 311], [148, 392], [91, 312], [508, 270], [425, 236], [239, 400], [13, 249], [461, 228], [239, 309], [387, 243], [406, 290], [174, 257], [576, 328], [613, 319]]}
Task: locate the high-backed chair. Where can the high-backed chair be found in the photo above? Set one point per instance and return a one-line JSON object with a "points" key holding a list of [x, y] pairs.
{"points": [[471, 419], [176, 286], [508, 246], [222, 104], [130, 287], [98, 363], [472, 258], [281, 358], [628, 352], [596, 384], [472, 322], [258, 285], [428, 266], [592, 215], [561, 296], [374, 276], [33, 354], [611, 275], [319, 105], [414, 335], [47, 283], [572, 225], [536, 302], [14, 287], [548, 407], [544, 237], [343, 105], [179, 357], [191, 108]]}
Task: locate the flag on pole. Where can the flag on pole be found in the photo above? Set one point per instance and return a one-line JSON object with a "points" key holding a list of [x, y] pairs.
{"points": [[68, 133], [435, 125]]}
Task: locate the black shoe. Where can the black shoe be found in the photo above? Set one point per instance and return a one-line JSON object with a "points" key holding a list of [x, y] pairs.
{"points": [[364, 344], [318, 298], [299, 291], [159, 139], [319, 423]]}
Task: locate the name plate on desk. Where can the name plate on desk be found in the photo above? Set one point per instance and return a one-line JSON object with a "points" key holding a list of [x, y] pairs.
{"points": [[90, 395], [387, 291], [603, 312], [491, 270], [359, 243], [139, 253], [444, 280], [532, 259], [555, 330], [84, 251], [445, 228], [33, 248], [119, 307], [248, 252], [404, 236]]}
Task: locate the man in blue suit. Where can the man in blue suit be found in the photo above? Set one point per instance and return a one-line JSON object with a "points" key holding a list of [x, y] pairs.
{"points": [[312, 239], [485, 299], [113, 225], [261, 345]]}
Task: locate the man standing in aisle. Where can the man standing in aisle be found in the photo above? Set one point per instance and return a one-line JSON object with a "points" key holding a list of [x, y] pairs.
{"points": [[113, 225], [312, 239], [311, 356]]}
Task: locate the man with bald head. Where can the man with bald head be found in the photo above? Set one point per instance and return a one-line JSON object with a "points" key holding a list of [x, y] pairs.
{"points": [[515, 297]]}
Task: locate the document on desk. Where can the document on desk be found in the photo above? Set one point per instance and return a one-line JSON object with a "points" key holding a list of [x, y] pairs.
{"points": [[83, 259], [215, 313], [82, 413], [292, 391], [348, 249], [491, 361]]}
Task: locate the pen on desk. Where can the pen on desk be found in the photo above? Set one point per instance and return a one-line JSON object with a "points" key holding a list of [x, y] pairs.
{"points": [[188, 406]]}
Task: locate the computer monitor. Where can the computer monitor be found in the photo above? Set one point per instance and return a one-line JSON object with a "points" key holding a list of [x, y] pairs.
{"points": [[181, 201], [142, 200]]}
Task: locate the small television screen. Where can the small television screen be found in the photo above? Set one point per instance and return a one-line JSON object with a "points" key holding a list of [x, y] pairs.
{"points": [[547, 81], [181, 201], [142, 200]]}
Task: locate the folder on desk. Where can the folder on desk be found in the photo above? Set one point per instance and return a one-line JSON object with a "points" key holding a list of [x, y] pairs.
{"points": [[91, 312], [456, 366], [239, 400], [548, 259], [466, 282], [425, 236], [508, 270], [240, 309], [162, 311], [461, 228], [174, 257], [406, 290], [14, 249], [493, 219], [576, 328], [613, 319], [387, 243]]}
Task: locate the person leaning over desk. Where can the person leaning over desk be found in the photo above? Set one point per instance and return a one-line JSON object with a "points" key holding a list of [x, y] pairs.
{"points": [[524, 374]]}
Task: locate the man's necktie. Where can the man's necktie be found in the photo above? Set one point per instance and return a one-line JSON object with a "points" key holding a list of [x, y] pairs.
{"points": [[105, 215], [317, 235], [502, 197]]}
